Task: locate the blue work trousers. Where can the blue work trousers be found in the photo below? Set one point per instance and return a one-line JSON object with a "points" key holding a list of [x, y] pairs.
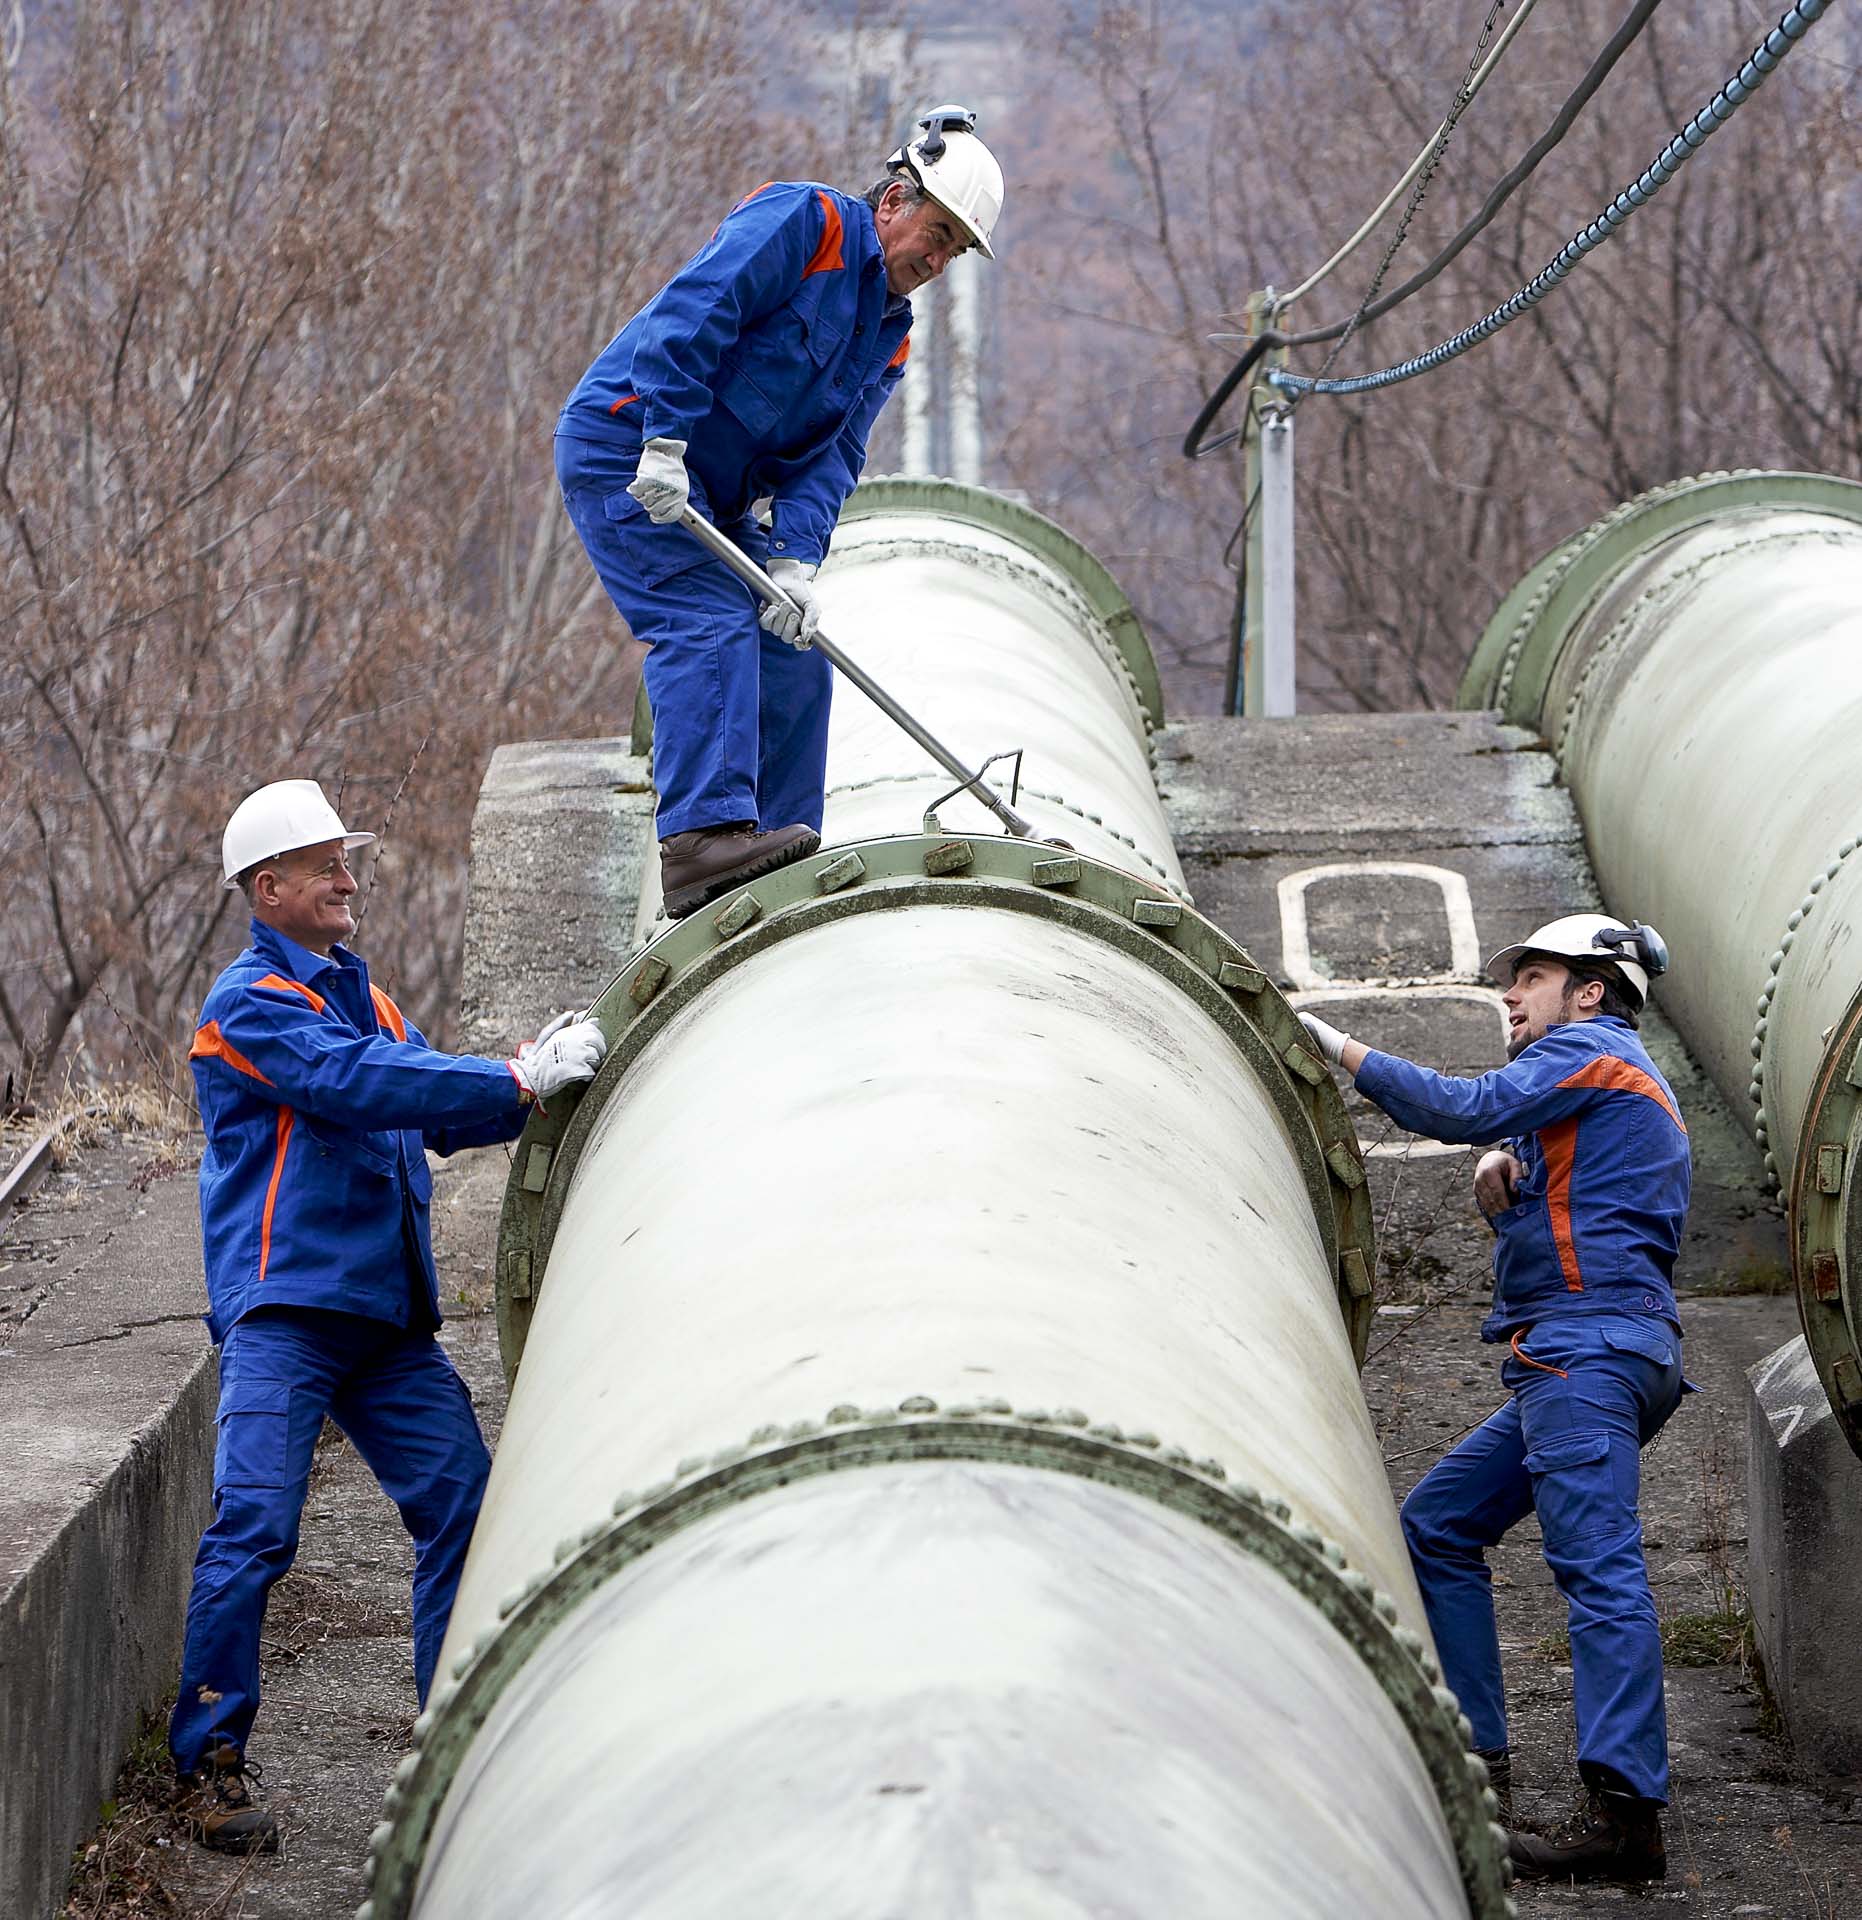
{"points": [[399, 1399], [740, 718], [1589, 1392]]}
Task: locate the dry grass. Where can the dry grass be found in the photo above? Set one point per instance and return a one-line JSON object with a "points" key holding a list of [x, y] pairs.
{"points": [[124, 1871]]}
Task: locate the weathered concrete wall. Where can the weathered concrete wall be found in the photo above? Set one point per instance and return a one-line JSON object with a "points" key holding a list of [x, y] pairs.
{"points": [[558, 838], [1804, 1507], [107, 1392]]}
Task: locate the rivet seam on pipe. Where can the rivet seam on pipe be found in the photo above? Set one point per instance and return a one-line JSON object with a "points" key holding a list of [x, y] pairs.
{"points": [[1029, 532], [1032, 793], [1761, 1123], [1822, 1224], [990, 1431], [1043, 582], [1534, 609], [1195, 955], [1668, 587]]}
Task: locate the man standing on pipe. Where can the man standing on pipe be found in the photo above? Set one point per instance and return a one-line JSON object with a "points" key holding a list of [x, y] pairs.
{"points": [[320, 1102], [754, 376], [1587, 1200]]}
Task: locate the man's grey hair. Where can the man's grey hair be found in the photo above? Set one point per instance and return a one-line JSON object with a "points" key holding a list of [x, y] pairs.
{"points": [[877, 191]]}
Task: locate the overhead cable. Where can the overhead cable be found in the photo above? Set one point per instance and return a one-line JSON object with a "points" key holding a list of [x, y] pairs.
{"points": [[1463, 94], [1389, 200], [1612, 51], [1764, 61]]}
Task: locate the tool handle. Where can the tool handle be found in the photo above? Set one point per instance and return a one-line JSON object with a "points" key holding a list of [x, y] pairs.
{"points": [[722, 547]]}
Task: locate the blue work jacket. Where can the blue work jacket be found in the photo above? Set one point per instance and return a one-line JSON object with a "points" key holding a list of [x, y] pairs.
{"points": [[770, 354], [1598, 1220], [319, 1101]]}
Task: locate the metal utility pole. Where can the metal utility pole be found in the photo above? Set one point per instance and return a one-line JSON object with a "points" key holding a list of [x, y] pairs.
{"points": [[1246, 689], [1274, 527]]}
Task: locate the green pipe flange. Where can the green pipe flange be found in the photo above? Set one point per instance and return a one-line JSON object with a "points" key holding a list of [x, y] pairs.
{"points": [[1020, 876], [978, 507], [1824, 1211], [993, 1432], [1517, 654]]}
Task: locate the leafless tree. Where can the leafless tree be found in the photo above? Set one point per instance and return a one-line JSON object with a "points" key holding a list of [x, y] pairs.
{"points": [[291, 296], [1720, 330]]}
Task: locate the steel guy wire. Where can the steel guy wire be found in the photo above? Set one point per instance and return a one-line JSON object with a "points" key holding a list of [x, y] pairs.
{"points": [[1765, 60], [1463, 94]]}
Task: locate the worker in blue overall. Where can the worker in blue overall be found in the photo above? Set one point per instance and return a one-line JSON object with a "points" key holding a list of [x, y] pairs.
{"points": [[320, 1101], [752, 379], [1587, 1200]]}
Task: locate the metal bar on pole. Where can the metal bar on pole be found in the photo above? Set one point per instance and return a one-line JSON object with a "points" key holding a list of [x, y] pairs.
{"points": [[918, 456], [722, 547], [1277, 655], [1246, 688], [963, 336]]}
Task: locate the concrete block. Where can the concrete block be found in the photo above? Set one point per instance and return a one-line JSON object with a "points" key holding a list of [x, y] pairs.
{"points": [[559, 836], [1804, 1526]]}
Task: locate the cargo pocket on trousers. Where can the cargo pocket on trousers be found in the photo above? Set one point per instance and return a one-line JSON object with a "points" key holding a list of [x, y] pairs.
{"points": [[253, 1445], [1574, 1489]]}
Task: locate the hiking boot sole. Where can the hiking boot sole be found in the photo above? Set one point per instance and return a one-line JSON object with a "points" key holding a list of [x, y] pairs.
{"points": [[265, 1840], [684, 900]]}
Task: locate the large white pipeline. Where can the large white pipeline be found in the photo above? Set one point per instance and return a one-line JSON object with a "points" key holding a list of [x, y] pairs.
{"points": [[936, 1480], [1695, 660]]}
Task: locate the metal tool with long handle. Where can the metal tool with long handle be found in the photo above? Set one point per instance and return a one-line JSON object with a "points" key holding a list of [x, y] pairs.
{"points": [[759, 582]]}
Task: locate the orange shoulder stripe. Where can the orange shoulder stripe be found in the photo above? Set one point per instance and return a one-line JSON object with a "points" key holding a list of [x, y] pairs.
{"points": [[1560, 1144], [827, 254], [903, 354], [388, 1013], [626, 400], [293, 986], [211, 1044], [1619, 1076]]}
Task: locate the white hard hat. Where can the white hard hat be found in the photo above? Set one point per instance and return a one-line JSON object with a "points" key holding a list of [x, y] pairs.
{"points": [[959, 173], [279, 819], [1637, 951]]}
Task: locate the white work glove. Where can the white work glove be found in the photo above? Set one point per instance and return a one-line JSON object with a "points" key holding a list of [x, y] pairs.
{"points": [[795, 624], [1329, 1041], [1496, 1181], [662, 485], [555, 1026], [568, 1056]]}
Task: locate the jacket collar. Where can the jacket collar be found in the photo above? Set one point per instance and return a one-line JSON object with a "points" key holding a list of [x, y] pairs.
{"points": [[299, 963], [873, 257]]}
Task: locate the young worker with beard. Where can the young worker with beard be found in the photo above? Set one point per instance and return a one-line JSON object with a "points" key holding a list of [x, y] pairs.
{"points": [[1587, 1198]]}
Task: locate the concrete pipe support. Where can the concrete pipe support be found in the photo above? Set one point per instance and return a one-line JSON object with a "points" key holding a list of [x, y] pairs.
{"points": [[936, 1480], [1695, 660]]}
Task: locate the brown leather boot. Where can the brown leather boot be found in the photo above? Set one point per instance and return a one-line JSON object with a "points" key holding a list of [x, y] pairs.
{"points": [[704, 862], [1611, 1836], [218, 1805]]}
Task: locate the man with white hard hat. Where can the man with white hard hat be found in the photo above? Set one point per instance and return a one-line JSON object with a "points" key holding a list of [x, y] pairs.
{"points": [[320, 1101], [1587, 1199], [755, 375]]}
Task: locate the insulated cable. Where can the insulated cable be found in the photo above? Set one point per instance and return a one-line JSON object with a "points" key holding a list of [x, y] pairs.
{"points": [[1764, 61], [1613, 50]]}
